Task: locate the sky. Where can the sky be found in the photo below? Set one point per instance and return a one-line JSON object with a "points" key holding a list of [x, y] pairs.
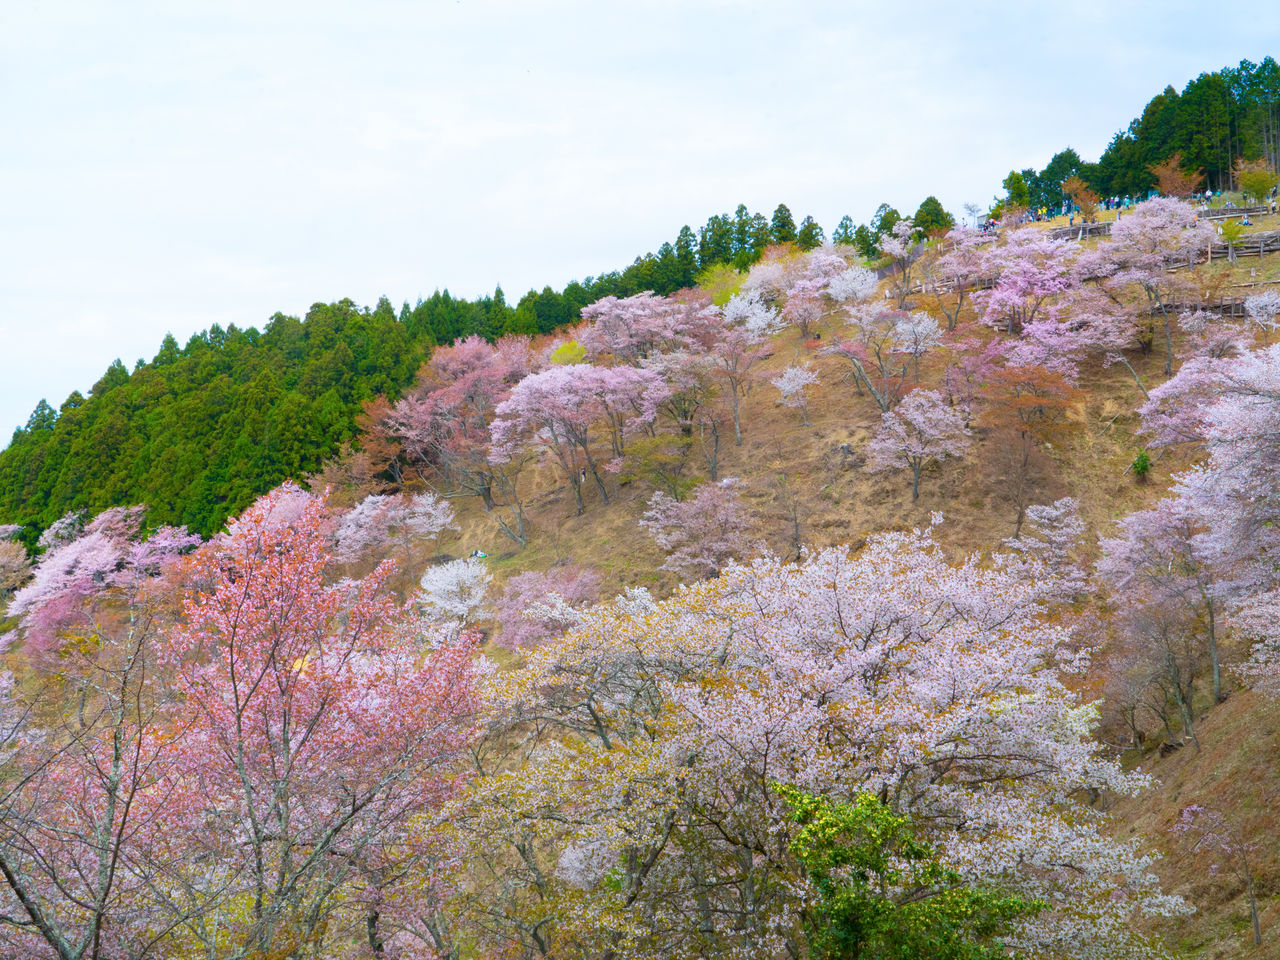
{"points": [[167, 166]]}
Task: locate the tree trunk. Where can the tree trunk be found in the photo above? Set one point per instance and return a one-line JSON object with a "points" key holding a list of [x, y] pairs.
{"points": [[1213, 653], [1253, 915]]}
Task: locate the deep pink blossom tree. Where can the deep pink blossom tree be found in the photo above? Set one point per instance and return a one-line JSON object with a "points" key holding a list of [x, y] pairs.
{"points": [[632, 328], [443, 426], [319, 743], [86, 742], [73, 572]]}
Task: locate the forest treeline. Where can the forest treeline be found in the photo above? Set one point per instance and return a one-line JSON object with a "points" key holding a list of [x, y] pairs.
{"points": [[201, 430], [1218, 118]]}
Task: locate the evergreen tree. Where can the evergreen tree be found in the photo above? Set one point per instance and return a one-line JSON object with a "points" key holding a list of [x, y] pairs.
{"points": [[843, 233], [931, 219], [687, 256], [810, 234], [783, 226]]}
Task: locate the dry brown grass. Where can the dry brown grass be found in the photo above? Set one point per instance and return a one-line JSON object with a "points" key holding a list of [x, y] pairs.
{"points": [[1234, 771]]}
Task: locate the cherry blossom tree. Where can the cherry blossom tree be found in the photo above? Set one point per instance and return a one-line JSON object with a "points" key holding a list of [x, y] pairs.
{"points": [[1145, 245], [851, 284], [63, 530], [319, 747], [1263, 311], [1159, 559], [85, 742], [805, 305], [1054, 535], [969, 363], [899, 246], [1233, 405], [632, 328], [921, 430], [443, 427], [1209, 334], [955, 271], [9, 530], [379, 520], [937, 688], [702, 533], [561, 412], [734, 356], [792, 385], [882, 348], [452, 595], [1030, 270], [542, 604], [748, 311], [81, 563], [1210, 829]]}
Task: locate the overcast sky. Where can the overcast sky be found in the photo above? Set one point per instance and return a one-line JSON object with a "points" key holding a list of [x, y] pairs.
{"points": [[164, 167]]}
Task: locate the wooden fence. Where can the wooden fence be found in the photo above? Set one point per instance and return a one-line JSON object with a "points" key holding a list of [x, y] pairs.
{"points": [[1083, 231], [1253, 245], [1226, 306], [1226, 213]]}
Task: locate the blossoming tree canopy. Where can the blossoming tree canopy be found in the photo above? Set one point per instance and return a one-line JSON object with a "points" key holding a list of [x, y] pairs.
{"points": [[892, 672], [320, 740]]}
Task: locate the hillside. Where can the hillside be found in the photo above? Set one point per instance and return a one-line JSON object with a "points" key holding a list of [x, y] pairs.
{"points": [[1010, 408], [629, 636]]}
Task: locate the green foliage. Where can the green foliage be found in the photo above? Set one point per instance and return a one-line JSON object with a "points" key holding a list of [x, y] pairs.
{"points": [[783, 225], [884, 895], [1257, 180], [1016, 192], [931, 219], [810, 234], [721, 281], [569, 353], [204, 429], [660, 461], [1045, 187], [844, 230], [883, 219], [1141, 466], [865, 241], [866, 237]]}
